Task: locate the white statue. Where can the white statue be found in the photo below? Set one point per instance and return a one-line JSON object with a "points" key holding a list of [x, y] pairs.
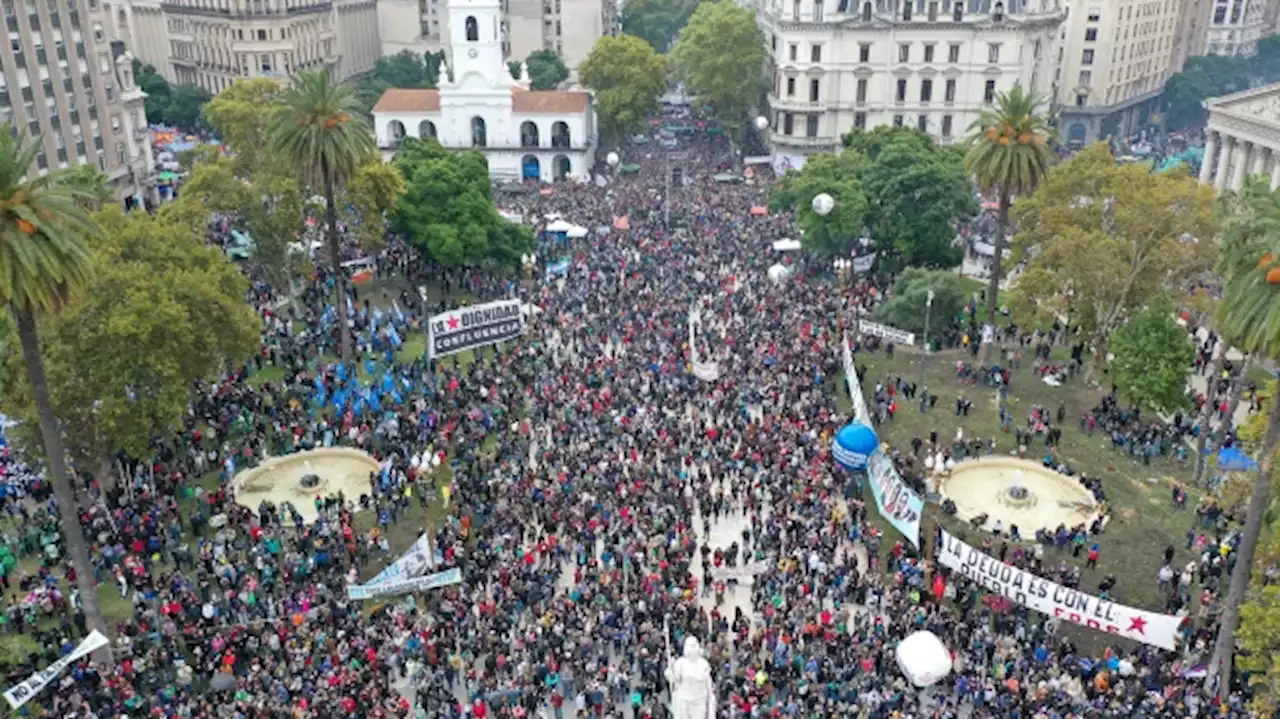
{"points": [[693, 692]]}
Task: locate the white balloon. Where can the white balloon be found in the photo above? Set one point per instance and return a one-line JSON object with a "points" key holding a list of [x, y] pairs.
{"points": [[612, 158], [823, 204], [762, 122]]}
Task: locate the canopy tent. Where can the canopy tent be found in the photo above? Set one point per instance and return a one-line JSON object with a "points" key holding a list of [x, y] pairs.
{"points": [[787, 245], [779, 273], [576, 232], [629, 169], [759, 211], [559, 226]]}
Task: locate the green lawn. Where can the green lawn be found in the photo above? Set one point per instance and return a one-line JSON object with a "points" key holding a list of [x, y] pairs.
{"points": [[1143, 520]]}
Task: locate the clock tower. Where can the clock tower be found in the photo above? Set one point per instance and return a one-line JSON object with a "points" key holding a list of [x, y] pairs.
{"points": [[475, 27]]}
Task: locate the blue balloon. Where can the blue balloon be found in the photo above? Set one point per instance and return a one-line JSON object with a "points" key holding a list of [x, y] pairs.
{"points": [[853, 446]]}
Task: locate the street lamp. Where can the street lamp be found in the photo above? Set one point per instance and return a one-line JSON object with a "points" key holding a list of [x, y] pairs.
{"points": [[928, 304], [823, 204], [529, 261], [842, 267]]}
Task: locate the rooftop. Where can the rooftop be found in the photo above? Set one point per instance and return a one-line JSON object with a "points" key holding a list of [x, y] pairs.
{"points": [[559, 102]]}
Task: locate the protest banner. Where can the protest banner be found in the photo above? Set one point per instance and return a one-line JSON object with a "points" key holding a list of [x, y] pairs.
{"points": [[27, 689], [404, 586], [467, 328], [1055, 600], [893, 334], [414, 563]]}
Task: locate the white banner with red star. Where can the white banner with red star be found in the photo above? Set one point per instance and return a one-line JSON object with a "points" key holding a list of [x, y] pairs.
{"points": [[1051, 598], [467, 328]]}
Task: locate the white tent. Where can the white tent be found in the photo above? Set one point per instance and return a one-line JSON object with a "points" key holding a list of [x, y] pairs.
{"points": [[786, 245], [924, 659], [559, 226], [779, 273], [576, 231]]}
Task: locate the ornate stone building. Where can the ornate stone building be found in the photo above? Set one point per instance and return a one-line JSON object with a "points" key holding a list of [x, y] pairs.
{"points": [[1242, 138]]}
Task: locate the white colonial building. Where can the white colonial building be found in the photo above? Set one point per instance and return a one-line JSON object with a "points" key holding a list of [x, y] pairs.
{"points": [[929, 64], [548, 135], [1242, 138]]}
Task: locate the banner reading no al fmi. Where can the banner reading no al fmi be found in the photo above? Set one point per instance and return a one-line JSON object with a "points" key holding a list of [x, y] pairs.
{"points": [[26, 690], [467, 328]]}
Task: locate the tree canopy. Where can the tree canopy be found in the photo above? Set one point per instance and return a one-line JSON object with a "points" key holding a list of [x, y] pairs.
{"points": [[836, 175], [720, 56], [917, 193], [1101, 240], [161, 310], [1202, 77], [906, 308], [447, 208], [405, 69], [657, 22], [1152, 357], [178, 106], [895, 185], [628, 76], [546, 70], [242, 114]]}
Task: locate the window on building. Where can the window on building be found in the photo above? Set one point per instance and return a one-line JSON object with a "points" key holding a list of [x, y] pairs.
{"points": [[946, 126], [813, 90], [993, 52], [794, 52], [902, 91], [950, 91], [989, 92], [479, 137], [928, 53], [788, 124], [815, 53], [1219, 14], [1086, 77], [922, 123], [1081, 99], [862, 90], [997, 12], [953, 54], [906, 10], [904, 52], [1095, 14], [864, 53], [795, 11], [817, 10], [957, 10], [860, 120], [897, 120], [1086, 58], [791, 87], [473, 30], [811, 126], [866, 12], [1091, 34], [262, 35], [933, 12]]}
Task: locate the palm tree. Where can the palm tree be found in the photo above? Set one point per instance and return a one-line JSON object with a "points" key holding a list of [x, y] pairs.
{"points": [[1009, 153], [322, 133], [1250, 316], [44, 260]]}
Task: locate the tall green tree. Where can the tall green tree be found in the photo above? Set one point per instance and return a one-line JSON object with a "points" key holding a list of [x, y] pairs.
{"points": [[546, 70], [1152, 357], [242, 116], [161, 309], [628, 77], [371, 193], [1102, 240], [720, 55], [657, 22], [906, 308], [447, 208], [1250, 315], [178, 106], [321, 133], [44, 260], [406, 70], [837, 232], [1009, 154], [1202, 77], [918, 193]]}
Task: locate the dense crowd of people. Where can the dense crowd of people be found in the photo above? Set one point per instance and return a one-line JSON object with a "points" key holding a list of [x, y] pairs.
{"points": [[586, 470]]}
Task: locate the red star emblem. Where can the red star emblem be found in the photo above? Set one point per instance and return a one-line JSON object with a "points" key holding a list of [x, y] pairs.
{"points": [[1139, 625], [453, 322]]}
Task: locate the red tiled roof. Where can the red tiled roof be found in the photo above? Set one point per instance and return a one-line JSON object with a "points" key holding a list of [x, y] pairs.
{"points": [[398, 100], [549, 101]]}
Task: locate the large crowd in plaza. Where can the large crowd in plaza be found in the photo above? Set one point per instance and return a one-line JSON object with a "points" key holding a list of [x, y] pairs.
{"points": [[588, 468]]}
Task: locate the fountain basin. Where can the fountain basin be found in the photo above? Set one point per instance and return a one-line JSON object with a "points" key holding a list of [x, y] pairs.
{"points": [[301, 477], [1017, 492]]}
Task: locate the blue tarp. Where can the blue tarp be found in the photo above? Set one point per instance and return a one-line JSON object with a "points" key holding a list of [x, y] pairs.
{"points": [[1232, 459]]}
